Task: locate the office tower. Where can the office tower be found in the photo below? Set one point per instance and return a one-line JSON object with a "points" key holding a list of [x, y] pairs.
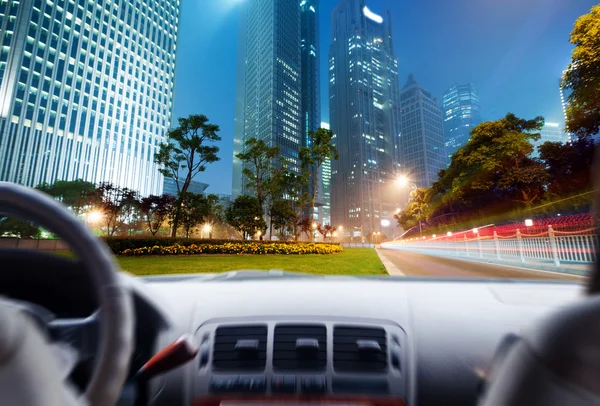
{"points": [[86, 90], [310, 88], [422, 134], [364, 115], [462, 112], [269, 99]]}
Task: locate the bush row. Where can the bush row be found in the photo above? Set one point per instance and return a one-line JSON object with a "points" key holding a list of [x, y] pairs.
{"points": [[250, 248], [120, 244]]}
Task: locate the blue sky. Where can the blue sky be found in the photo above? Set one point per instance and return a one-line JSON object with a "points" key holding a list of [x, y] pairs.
{"points": [[512, 50]]}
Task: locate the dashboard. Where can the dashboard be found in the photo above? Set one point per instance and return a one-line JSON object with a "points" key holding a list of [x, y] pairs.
{"points": [[332, 340], [275, 337]]}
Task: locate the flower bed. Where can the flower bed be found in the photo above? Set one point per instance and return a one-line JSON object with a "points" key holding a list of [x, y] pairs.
{"points": [[120, 244], [237, 248]]}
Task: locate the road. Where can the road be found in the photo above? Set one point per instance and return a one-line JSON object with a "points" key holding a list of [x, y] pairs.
{"points": [[414, 264]]}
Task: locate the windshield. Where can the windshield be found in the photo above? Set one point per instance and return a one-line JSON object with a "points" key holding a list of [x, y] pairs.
{"points": [[444, 139]]}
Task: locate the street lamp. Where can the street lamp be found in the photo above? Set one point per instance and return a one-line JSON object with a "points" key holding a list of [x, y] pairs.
{"points": [[206, 229]]}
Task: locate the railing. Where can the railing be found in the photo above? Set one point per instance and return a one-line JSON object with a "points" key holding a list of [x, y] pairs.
{"points": [[549, 246], [357, 245]]}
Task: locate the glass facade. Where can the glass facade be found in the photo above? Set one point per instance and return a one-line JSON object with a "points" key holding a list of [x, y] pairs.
{"points": [[422, 134], [364, 114], [87, 90], [462, 112], [269, 104]]}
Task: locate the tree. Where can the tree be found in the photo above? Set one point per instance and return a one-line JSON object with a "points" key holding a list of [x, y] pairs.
{"points": [[155, 210], [283, 216], [186, 153], [325, 230], [257, 159], [582, 76], [288, 198], [194, 210], [492, 171], [11, 226], [130, 215], [245, 215], [215, 212], [73, 194], [415, 211], [569, 165], [319, 150], [116, 204], [305, 226]]}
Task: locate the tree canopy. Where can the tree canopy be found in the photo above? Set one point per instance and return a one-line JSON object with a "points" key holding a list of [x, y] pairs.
{"points": [[582, 76], [186, 153], [320, 148]]}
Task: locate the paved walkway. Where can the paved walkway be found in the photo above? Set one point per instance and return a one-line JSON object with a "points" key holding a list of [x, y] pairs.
{"points": [[405, 263]]}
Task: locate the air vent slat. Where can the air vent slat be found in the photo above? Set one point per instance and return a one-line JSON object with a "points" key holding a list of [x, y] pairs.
{"points": [[286, 354], [347, 357], [227, 357]]}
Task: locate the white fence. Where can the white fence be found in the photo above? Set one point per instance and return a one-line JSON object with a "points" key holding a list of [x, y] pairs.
{"points": [[552, 247]]}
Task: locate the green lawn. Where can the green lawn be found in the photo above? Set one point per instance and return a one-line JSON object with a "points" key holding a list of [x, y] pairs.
{"points": [[357, 261]]}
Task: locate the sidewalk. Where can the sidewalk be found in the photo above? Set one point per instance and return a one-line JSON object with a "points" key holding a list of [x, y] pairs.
{"points": [[389, 266]]}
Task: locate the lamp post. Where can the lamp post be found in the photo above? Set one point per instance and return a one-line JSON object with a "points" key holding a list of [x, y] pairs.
{"points": [[404, 181]]}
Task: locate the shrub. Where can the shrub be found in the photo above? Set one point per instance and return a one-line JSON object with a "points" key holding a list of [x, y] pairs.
{"points": [[120, 244], [238, 248]]}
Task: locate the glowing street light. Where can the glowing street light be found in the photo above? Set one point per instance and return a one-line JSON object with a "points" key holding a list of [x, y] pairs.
{"points": [[449, 233], [434, 236], [528, 223], [385, 223], [207, 228], [475, 231], [94, 216], [314, 225]]}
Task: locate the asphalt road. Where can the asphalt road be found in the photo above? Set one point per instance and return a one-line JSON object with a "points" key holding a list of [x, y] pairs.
{"points": [[413, 264]]}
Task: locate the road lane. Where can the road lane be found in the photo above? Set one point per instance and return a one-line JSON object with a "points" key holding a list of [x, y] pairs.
{"points": [[414, 264]]}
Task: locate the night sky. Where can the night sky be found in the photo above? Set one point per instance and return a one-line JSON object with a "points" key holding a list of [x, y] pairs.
{"points": [[512, 50]]}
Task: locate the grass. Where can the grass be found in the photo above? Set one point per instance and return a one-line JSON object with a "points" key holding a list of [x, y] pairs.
{"points": [[357, 261]]}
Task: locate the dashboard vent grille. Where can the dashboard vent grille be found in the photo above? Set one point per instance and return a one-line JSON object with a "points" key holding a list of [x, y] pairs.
{"points": [[359, 349], [300, 347], [240, 348]]}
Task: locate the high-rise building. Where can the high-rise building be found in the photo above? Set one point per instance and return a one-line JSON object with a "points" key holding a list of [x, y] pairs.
{"points": [[462, 112], [269, 82], [364, 114], [422, 134], [310, 88], [86, 90]]}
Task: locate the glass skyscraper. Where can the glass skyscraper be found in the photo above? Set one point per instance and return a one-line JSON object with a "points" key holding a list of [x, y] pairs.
{"points": [[269, 82], [462, 112], [86, 90], [364, 115], [422, 134]]}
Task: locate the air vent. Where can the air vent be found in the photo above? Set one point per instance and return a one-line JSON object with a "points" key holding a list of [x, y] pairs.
{"points": [[359, 349], [240, 348], [300, 347]]}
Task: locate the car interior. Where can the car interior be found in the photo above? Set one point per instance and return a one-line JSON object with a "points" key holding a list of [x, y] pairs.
{"points": [[76, 330]]}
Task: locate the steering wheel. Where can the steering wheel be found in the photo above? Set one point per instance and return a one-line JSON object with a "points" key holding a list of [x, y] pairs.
{"points": [[28, 369]]}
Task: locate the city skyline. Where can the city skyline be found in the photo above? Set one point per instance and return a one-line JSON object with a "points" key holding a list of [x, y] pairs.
{"points": [[86, 91], [514, 70]]}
